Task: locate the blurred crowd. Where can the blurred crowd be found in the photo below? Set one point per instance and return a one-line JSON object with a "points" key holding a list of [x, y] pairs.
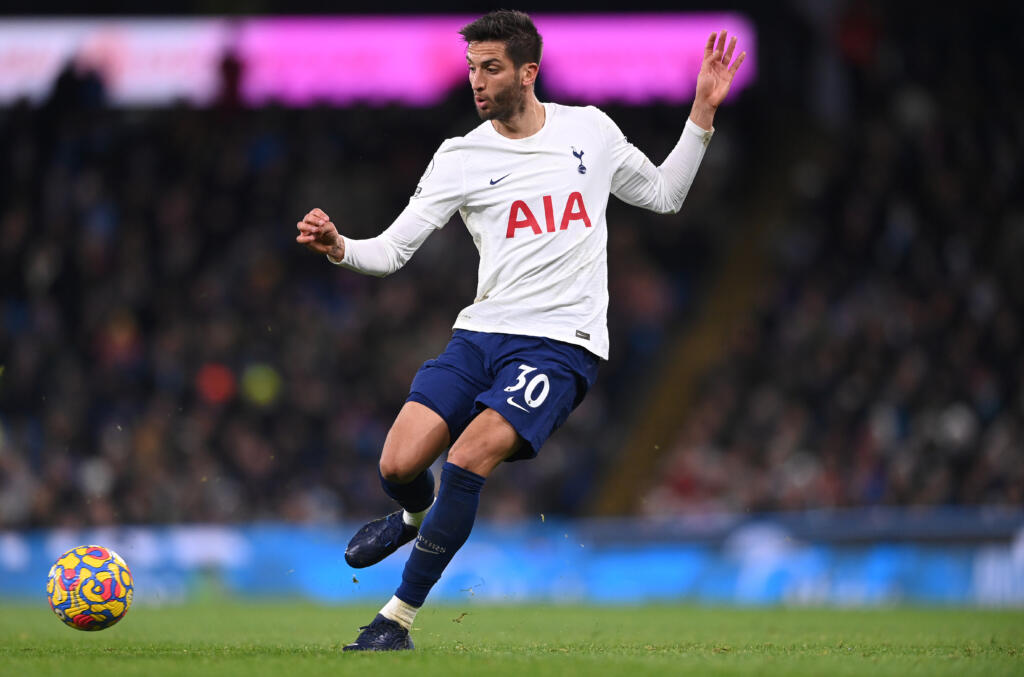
{"points": [[885, 361], [169, 353]]}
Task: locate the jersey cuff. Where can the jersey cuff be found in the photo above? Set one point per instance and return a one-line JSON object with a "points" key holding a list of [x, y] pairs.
{"points": [[703, 134]]}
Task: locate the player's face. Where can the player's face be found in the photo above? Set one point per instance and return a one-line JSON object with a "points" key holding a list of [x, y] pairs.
{"points": [[497, 85]]}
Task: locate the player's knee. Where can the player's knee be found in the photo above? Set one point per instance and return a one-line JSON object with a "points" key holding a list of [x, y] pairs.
{"points": [[471, 462], [481, 458], [397, 472]]}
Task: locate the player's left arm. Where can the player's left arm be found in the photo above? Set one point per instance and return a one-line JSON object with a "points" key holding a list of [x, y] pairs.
{"points": [[664, 188]]}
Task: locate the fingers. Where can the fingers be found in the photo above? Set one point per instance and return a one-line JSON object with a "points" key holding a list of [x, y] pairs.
{"points": [[313, 226], [315, 237], [720, 47], [313, 220], [718, 52], [316, 217], [307, 228], [307, 234], [728, 53], [736, 64]]}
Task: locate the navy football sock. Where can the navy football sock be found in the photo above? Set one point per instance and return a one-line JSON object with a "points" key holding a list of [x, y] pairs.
{"points": [[414, 496], [442, 533]]}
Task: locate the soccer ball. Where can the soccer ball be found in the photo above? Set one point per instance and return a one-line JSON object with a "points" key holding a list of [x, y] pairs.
{"points": [[90, 587]]}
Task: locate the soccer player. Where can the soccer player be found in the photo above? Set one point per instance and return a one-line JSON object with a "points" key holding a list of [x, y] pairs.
{"points": [[531, 184]]}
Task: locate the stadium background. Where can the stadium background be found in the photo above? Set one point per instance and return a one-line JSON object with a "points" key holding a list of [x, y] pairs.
{"points": [[816, 368]]}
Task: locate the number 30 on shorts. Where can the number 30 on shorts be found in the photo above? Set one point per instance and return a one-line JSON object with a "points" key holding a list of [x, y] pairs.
{"points": [[537, 387]]}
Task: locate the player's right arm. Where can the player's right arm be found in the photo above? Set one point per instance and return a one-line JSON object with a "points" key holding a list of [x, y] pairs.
{"points": [[378, 256], [441, 191]]}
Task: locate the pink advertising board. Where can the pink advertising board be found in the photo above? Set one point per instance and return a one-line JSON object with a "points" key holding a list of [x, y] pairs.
{"points": [[339, 60], [636, 58]]}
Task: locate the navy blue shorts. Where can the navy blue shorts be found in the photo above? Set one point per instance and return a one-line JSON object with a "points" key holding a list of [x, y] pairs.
{"points": [[534, 383]]}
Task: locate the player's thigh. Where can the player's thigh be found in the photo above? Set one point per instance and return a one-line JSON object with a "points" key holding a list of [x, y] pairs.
{"points": [[487, 441], [449, 384], [416, 439], [537, 388]]}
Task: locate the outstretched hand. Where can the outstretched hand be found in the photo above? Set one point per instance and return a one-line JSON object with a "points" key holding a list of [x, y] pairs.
{"points": [[318, 233], [715, 77]]}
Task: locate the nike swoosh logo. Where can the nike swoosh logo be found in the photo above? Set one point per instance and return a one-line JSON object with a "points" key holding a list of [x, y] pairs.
{"points": [[517, 406], [420, 547], [494, 181]]}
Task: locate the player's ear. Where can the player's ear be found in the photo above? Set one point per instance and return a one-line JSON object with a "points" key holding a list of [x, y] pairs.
{"points": [[528, 73]]}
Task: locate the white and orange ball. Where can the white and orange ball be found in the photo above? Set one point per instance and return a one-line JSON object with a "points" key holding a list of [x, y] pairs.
{"points": [[90, 587]]}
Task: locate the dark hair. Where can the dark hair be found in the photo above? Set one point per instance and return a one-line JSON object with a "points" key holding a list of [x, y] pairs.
{"points": [[515, 29]]}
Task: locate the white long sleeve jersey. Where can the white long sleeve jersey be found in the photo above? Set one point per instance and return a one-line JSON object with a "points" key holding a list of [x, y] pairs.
{"points": [[536, 210]]}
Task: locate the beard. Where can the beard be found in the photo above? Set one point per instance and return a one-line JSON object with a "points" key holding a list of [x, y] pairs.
{"points": [[506, 103]]}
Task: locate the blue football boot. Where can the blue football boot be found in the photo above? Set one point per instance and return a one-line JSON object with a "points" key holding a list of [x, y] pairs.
{"points": [[378, 539], [382, 634]]}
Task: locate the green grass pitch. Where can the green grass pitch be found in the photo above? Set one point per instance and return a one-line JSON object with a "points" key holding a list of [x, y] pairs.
{"points": [[297, 639]]}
